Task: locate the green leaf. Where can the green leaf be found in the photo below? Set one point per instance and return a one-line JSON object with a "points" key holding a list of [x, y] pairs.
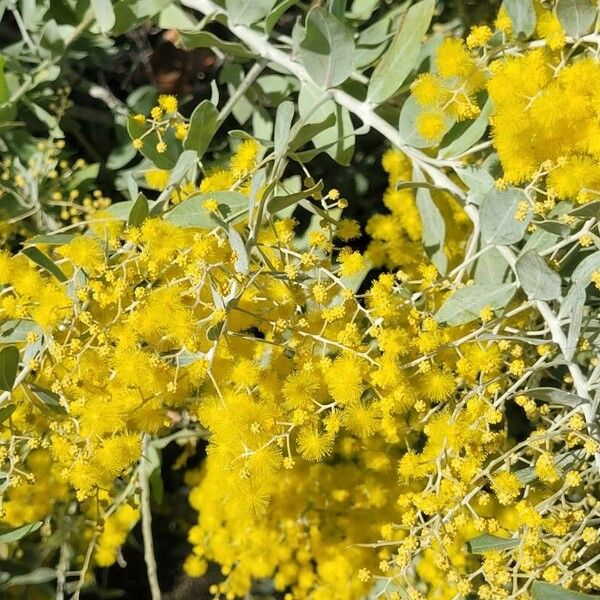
{"points": [[6, 410], [337, 140], [466, 303], [174, 17], [35, 577], [573, 306], [432, 226], [47, 398], [547, 591], [246, 12], [279, 203], [9, 365], [556, 396], [283, 126], [4, 91], [16, 533], [497, 216], [301, 134], [582, 275], [487, 542], [204, 39], [577, 17], [589, 209], [373, 40], [491, 267], [191, 212], [401, 57], [522, 15], [44, 261], [187, 160], [51, 239], [81, 175], [167, 159], [277, 13], [469, 135], [105, 15], [537, 279], [242, 262], [204, 123], [16, 330], [139, 211], [327, 51]]}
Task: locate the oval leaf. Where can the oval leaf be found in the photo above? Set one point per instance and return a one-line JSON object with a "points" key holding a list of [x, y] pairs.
{"points": [[576, 17], [498, 223], [246, 12], [522, 15], [327, 50], [104, 13], [537, 279]]}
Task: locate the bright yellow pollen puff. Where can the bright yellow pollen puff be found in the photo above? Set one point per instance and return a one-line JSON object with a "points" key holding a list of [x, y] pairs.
{"points": [[157, 178], [245, 156], [479, 36], [453, 58], [211, 205], [167, 103], [85, 252], [431, 125], [428, 90]]}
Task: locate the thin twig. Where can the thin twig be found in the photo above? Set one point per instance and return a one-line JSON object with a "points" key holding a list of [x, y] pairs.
{"points": [[145, 507]]}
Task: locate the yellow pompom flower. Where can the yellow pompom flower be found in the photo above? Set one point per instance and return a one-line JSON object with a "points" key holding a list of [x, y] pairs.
{"points": [[453, 58], [168, 103], [431, 125]]}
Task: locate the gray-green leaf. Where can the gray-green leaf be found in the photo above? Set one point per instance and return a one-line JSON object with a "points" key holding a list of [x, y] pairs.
{"points": [[401, 57], [283, 126], [466, 304], [104, 13], [327, 51], [192, 213], [497, 215], [246, 12], [576, 17], [469, 135], [16, 533], [547, 591], [338, 139], [537, 279], [186, 160], [433, 227], [487, 542], [44, 261], [582, 275], [279, 203], [522, 15]]}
